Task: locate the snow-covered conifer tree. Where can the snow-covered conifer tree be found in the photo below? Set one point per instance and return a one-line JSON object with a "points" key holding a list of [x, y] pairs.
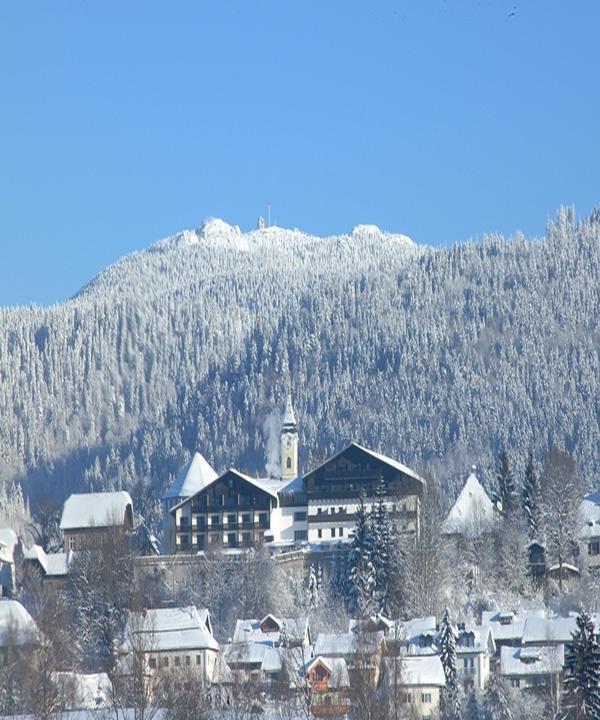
{"points": [[312, 589], [531, 498], [496, 701], [449, 700], [472, 711], [581, 694], [383, 550], [505, 483], [361, 573]]}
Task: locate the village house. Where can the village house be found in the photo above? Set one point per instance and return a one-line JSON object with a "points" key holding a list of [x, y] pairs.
{"points": [[589, 537], [363, 653], [88, 517], [8, 545], [329, 684], [290, 632], [534, 669], [507, 626], [475, 649], [549, 631], [172, 638], [264, 665], [52, 569], [415, 681]]}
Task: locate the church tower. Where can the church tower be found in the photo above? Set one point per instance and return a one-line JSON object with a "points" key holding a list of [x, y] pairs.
{"points": [[289, 443]]}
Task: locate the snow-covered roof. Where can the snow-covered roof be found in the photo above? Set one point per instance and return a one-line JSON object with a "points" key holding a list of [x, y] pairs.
{"points": [[420, 671], [337, 668], [532, 660], [473, 512], [249, 631], [378, 456], [411, 630], [346, 644], [195, 476], [86, 510], [268, 658], [89, 691], [590, 516], [289, 418], [271, 487], [16, 623], [53, 564], [508, 626], [173, 629], [541, 631], [8, 542]]}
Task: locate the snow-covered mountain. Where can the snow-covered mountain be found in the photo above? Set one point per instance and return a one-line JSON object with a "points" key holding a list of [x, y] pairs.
{"points": [[436, 356]]}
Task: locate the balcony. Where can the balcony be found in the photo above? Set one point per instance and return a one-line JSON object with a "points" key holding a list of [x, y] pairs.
{"points": [[467, 672]]}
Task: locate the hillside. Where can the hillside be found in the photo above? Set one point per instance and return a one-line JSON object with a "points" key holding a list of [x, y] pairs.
{"points": [[435, 356]]}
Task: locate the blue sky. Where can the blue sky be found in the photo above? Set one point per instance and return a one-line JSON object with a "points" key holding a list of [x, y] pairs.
{"points": [[123, 122]]}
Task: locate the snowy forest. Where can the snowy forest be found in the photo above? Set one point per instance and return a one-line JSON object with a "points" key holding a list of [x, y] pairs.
{"points": [[437, 356]]}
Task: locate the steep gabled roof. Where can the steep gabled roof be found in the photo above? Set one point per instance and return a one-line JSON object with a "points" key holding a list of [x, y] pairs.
{"points": [[473, 512], [87, 510], [375, 455], [252, 481], [195, 476]]}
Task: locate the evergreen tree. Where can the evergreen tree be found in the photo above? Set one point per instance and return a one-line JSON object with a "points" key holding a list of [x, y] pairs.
{"points": [[496, 701], [312, 589], [505, 483], [581, 693], [361, 573], [472, 711], [531, 498], [449, 701], [383, 549]]}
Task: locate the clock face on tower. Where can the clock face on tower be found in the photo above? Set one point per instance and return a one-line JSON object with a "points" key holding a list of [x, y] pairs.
{"points": [[287, 441]]}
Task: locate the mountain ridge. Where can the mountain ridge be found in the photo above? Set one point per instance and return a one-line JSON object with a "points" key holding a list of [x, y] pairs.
{"points": [[437, 357]]}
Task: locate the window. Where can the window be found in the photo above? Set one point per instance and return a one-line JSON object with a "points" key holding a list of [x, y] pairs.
{"points": [[231, 519], [425, 698], [165, 662], [341, 532], [319, 533], [299, 516], [72, 543], [288, 463], [152, 663], [187, 660], [200, 541], [332, 532], [319, 511], [341, 510], [177, 661], [246, 519], [300, 535], [198, 659], [515, 682], [215, 520], [406, 698], [183, 520], [594, 548]]}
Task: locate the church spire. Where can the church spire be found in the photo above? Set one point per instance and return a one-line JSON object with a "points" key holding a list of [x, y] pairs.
{"points": [[289, 443]]}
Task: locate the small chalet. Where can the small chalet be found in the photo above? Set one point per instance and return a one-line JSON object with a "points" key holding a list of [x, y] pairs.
{"points": [[330, 686], [363, 652], [507, 626], [88, 517], [290, 632]]}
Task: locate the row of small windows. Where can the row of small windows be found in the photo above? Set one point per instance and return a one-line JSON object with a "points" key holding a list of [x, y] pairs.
{"points": [[425, 698], [331, 532], [153, 662]]}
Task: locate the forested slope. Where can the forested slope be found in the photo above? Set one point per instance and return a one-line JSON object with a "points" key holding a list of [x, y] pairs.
{"points": [[435, 356]]}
